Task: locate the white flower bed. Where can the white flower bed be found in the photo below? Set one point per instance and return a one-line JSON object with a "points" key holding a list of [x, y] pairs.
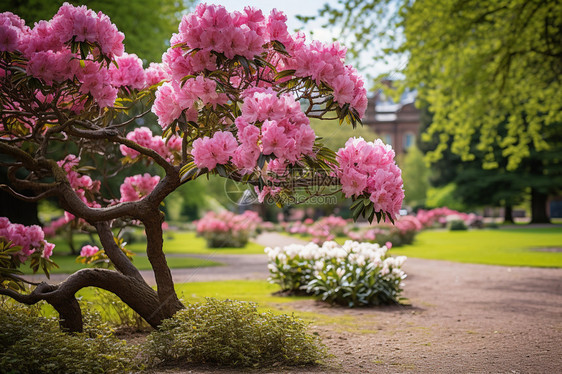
{"points": [[352, 274]]}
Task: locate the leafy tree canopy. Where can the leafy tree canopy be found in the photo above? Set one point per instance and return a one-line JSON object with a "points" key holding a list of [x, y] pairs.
{"points": [[147, 24], [477, 64]]}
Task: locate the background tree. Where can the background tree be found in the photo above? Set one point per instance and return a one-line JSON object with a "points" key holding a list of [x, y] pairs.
{"points": [[415, 174], [483, 67]]}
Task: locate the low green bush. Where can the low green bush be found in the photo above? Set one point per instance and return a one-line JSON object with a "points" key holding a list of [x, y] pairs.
{"points": [[457, 225], [30, 343], [233, 333]]}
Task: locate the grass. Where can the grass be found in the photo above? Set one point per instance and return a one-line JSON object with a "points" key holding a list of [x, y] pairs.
{"points": [[189, 243], [508, 247], [260, 292], [67, 264]]}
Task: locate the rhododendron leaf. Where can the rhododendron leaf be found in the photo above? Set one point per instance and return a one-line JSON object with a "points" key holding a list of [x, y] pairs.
{"points": [[222, 171], [356, 203], [279, 47], [284, 73], [390, 218], [357, 211]]}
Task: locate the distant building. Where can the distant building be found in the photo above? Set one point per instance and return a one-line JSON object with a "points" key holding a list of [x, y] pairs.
{"points": [[396, 124]]}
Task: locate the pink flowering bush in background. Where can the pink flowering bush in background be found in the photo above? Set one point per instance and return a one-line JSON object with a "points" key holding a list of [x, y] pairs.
{"points": [[403, 232], [439, 217], [227, 229]]}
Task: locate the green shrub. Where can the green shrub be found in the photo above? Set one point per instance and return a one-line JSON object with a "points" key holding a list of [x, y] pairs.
{"points": [[30, 343], [233, 333], [457, 225], [117, 312]]}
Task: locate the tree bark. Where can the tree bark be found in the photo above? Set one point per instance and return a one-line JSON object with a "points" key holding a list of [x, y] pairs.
{"points": [[508, 214], [132, 291], [169, 301], [538, 207]]}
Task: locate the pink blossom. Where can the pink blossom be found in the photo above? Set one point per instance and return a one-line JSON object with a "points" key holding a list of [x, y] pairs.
{"points": [[138, 186], [369, 168], [208, 152], [89, 250], [29, 238], [155, 73], [165, 105], [128, 73]]}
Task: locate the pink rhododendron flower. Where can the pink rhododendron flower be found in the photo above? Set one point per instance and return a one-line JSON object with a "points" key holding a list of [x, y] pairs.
{"points": [[89, 250], [138, 186], [369, 168], [156, 73], [208, 152], [31, 239], [129, 73]]}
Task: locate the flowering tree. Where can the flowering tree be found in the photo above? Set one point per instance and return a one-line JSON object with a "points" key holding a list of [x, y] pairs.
{"points": [[233, 96]]}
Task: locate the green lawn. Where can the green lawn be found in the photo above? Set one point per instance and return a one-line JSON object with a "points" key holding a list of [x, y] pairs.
{"points": [[68, 264], [509, 247], [188, 242]]}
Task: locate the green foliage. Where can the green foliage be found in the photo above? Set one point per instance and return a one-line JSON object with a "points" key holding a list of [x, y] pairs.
{"points": [[233, 333], [147, 24], [351, 284], [457, 225], [444, 196], [415, 175], [116, 311], [477, 64], [30, 343]]}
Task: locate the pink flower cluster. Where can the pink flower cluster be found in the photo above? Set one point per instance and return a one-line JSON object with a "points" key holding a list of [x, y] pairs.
{"points": [[47, 49], [30, 238], [129, 72], [325, 63], [208, 152], [156, 73], [143, 137], [226, 221], [78, 23], [213, 28], [268, 124], [325, 229], [138, 186], [440, 216], [12, 31], [82, 184], [172, 99], [368, 168], [89, 250]]}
